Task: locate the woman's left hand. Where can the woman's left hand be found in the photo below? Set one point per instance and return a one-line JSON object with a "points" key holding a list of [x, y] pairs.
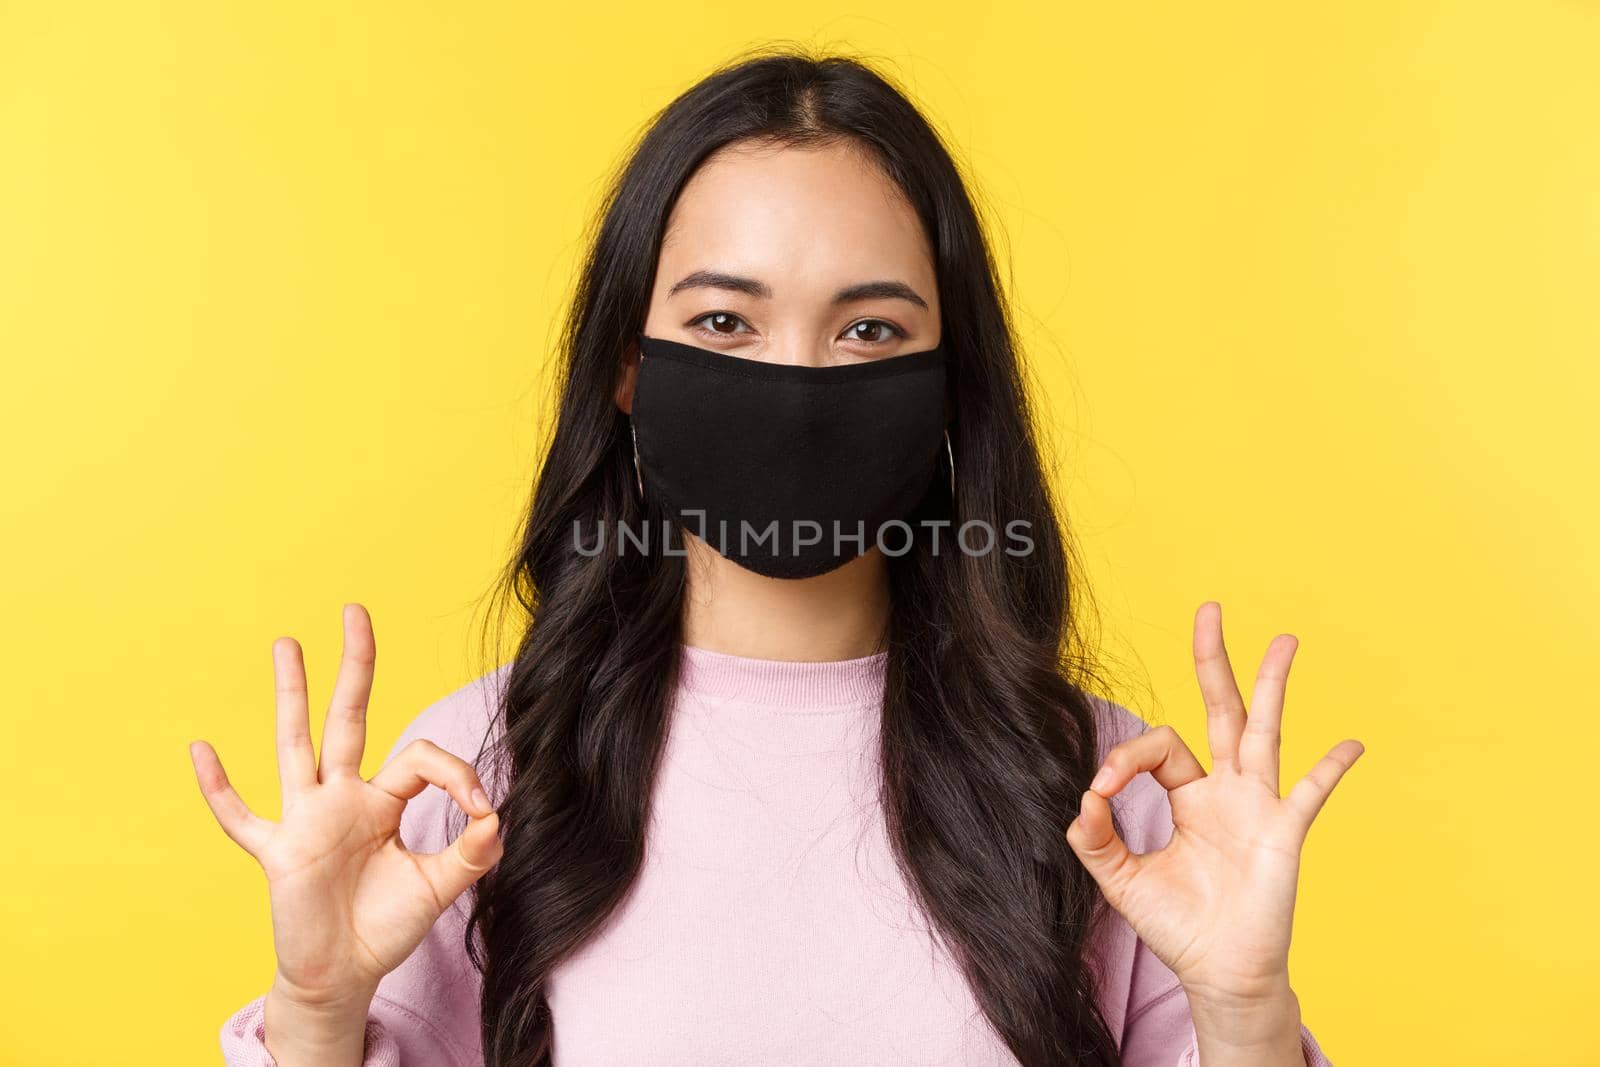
{"points": [[1216, 904]]}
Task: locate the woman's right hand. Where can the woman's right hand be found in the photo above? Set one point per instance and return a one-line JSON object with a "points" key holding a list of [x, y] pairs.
{"points": [[349, 902]]}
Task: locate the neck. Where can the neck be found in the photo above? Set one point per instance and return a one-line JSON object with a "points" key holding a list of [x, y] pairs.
{"points": [[843, 614]]}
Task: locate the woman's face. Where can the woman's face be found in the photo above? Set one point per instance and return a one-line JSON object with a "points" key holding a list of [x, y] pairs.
{"points": [[789, 255]]}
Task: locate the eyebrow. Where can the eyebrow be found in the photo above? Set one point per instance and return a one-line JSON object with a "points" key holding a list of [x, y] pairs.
{"points": [[876, 290]]}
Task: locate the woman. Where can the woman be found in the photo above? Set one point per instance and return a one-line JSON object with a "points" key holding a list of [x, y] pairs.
{"points": [[806, 800]]}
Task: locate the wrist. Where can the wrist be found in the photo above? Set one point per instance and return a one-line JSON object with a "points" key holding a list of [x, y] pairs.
{"points": [[314, 1030], [1240, 992], [336, 1005], [1256, 1025]]}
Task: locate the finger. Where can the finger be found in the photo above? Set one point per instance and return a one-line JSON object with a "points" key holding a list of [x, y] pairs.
{"points": [[297, 764], [423, 763], [1102, 852], [247, 829], [1263, 727], [1225, 715], [1159, 750], [468, 857], [1312, 791], [344, 732]]}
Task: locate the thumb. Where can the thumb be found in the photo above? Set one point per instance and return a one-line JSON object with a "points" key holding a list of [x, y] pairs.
{"points": [[1103, 854], [468, 858]]}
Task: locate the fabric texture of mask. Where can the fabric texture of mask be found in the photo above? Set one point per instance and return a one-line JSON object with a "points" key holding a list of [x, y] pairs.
{"points": [[788, 470]]}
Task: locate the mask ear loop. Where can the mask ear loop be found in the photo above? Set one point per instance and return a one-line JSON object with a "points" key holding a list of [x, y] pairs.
{"points": [[951, 455], [637, 480]]}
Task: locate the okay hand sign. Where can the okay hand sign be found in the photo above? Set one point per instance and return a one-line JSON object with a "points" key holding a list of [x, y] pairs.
{"points": [[1216, 904], [349, 902]]}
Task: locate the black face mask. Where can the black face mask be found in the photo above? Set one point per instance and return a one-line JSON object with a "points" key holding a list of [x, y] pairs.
{"points": [[788, 470]]}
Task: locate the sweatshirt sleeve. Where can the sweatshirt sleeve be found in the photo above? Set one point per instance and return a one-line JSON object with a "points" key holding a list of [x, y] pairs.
{"points": [[244, 1039], [425, 1012]]}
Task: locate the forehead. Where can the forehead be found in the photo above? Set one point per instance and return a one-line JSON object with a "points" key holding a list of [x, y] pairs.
{"points": [[795, 217]]}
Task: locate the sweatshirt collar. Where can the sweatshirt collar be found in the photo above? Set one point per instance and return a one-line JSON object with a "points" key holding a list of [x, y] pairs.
{"points": [[790, 684]]}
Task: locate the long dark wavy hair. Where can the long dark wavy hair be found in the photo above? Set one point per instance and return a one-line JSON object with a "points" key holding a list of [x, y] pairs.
{"points": [[988, 736]]}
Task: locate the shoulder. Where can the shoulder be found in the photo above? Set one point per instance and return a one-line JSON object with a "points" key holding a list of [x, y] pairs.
{"points": [[1142, 807], [462, 723], [460, 720], [1114, 724]]}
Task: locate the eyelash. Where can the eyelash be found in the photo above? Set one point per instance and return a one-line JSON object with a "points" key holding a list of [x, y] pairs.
{"points": [[898, 333]]}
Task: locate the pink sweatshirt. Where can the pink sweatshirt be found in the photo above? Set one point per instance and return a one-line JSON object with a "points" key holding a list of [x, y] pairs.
{"points": [[769, 925]]}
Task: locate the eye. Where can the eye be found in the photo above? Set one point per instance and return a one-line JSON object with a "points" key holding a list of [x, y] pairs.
{"points": [[878, 331], [719, 320]]}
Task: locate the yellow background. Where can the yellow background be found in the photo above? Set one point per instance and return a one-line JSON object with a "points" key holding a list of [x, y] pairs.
{"points": [[1311, 291]]}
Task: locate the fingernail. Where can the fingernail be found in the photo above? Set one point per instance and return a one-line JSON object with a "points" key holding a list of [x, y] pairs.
{"points": [[1101, 780], [481, 799]]}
